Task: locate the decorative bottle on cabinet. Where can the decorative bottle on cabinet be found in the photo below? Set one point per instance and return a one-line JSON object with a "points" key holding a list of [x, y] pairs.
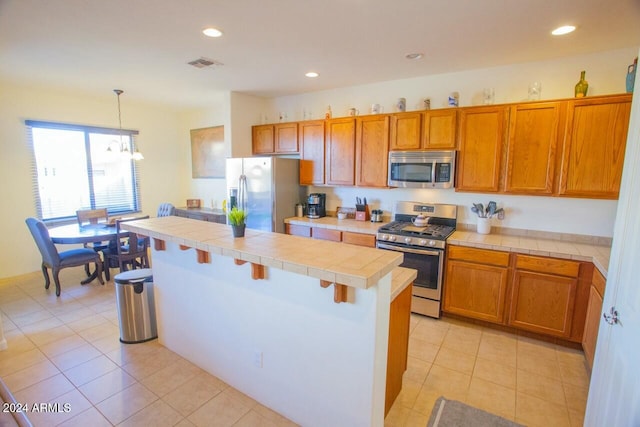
{"points": [[327, 114], [631, 75], [582, 86]]}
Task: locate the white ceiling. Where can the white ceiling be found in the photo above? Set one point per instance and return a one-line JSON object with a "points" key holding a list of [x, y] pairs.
{"points": [[143, 46]]}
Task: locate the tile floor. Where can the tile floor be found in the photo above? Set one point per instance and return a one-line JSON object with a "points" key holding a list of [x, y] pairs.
{"points": [[522, 379], [66, 350]]}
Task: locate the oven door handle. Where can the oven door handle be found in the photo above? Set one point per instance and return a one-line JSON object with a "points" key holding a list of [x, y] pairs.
{"points": [[413, 251]]}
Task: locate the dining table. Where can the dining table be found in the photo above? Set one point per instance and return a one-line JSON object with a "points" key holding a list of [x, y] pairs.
{"points": [[90, 233]]}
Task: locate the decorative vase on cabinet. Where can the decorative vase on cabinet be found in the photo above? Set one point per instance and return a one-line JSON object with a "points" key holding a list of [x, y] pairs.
{"points": [[582, 86]]}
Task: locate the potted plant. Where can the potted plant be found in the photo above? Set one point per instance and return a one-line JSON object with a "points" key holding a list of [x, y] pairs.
{"points": [[237, 218]]}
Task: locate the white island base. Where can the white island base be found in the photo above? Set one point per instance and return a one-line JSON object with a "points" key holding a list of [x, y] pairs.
{"points": [[281, 340]]}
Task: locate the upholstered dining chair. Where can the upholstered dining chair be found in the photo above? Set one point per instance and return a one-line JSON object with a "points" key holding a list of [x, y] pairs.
{"points": [[55, 260], [123, 254], [165, 209]]}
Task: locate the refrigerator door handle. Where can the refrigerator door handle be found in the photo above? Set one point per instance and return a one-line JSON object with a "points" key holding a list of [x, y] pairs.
{"points": [[242, 192]]}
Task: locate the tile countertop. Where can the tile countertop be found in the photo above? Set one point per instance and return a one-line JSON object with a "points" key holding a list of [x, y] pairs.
{"points": [[331, 222], [354, 266], [599, 255]]}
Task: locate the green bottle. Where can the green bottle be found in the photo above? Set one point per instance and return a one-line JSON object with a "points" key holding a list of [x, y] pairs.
{"points": [[582, 86]]}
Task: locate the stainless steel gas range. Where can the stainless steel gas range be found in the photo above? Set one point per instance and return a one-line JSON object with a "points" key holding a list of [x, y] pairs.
{"points": [[422, 241]]}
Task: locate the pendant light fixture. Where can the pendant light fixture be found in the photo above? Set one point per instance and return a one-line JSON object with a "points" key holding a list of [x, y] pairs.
{"points": [[124, 148]]}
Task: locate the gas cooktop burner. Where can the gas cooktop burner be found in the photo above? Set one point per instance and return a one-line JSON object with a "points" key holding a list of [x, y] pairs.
{"points": [[432, 231]]}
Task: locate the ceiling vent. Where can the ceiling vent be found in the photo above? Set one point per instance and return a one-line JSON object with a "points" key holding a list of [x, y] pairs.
{"points": [[205, 63]]}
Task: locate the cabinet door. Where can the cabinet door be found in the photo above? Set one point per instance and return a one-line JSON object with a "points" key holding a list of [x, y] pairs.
{"points": [[286, 138], [311, 137], [481, 134], [475, 290], [326, 234], [594, 146], [372, 148], [591, 325], [262, 141], [340, 143], [543, 303], [534, 137], [439, 129], [405, 131]]}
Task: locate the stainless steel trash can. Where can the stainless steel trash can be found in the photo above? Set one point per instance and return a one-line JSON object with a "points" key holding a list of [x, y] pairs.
{"points": [[136, 307]]}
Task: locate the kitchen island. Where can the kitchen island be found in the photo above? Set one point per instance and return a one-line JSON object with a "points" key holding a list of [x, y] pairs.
{"points": [[301, 326]]}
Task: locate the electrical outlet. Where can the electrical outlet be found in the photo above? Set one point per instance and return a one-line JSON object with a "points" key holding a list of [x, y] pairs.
{"points": [[257, 359]]}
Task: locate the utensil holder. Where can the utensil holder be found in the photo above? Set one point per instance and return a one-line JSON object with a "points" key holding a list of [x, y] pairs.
{"points": [[484, 226]]}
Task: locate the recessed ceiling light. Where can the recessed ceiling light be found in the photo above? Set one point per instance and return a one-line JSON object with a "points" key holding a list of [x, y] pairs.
{"points": [[565, 29], [414, 55], [212, 32], [312, 74]]}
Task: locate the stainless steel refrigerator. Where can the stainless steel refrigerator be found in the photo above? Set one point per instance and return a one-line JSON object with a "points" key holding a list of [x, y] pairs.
{"points": [[268, 188]]}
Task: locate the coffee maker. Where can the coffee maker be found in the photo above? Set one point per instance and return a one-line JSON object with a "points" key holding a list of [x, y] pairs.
{"points": [[316, 205]]}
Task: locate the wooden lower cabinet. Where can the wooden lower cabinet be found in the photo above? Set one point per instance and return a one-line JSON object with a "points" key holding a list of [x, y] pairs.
{"points": [[297, 230], [399, 322], [594, 315], [476, 283], [359, 239], [543, 303], [326, 234], [539, 294]]}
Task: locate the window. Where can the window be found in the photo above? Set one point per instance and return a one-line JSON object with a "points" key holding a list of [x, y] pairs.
{"points": [[82, 167]]}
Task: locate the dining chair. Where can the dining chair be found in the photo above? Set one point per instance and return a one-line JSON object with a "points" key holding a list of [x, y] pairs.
{"points": [[165, 209], [87, 217], [55, 260], [122, 254]]}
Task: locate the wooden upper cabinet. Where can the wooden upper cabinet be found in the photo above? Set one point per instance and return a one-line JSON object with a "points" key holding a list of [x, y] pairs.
{"points": [[281, 138], [535, 135], [439, 129], [372, 148], [594, 146], [262, 141], [406, 129], [312, 161], [481, 134], [286, 137], [340, 142]]}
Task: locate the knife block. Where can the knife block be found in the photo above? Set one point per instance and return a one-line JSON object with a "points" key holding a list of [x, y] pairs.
{"points": [[362, 213]]}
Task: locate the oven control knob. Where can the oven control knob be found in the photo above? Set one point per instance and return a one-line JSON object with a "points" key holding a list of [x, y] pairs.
{"points": [[423, 242], [392, 238], [383, 237], [432, 243], [407, 240]]}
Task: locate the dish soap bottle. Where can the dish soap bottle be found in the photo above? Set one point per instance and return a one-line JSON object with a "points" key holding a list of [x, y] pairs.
{"points": [[581, 86]]}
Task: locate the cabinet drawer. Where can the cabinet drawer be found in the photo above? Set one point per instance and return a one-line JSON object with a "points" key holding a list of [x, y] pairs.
{"points": [[360, 239], [297, 230], [560, 267], [326, 234], [483, 256], [598, 281]]}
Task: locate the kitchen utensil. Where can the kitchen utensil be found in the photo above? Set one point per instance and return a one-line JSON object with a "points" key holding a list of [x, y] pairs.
{"points": [[365, 200], [475, 210], [491, 207]]}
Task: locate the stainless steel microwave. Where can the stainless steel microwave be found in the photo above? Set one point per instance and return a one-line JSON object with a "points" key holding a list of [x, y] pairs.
{"points": [[421, 169]]}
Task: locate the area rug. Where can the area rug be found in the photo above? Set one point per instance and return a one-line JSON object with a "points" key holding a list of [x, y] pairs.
{"points": [[451, 413]]}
